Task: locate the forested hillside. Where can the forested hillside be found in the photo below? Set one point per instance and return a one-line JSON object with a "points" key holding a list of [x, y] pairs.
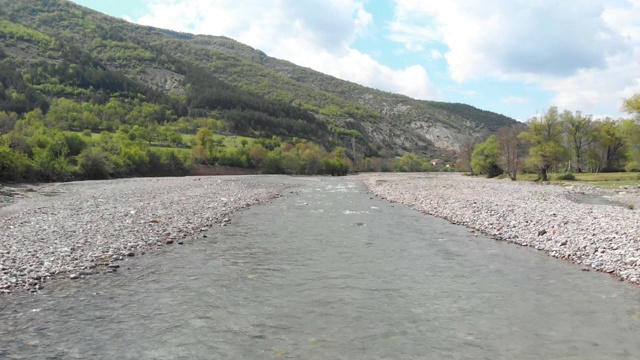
{"points": [[69, 69]]}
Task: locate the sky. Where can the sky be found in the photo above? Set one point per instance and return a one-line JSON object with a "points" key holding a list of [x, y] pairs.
{"points": [[513, 57]]}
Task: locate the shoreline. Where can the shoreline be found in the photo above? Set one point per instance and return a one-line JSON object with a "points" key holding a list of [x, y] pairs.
{"points": [[599, 237], [81, 228]]}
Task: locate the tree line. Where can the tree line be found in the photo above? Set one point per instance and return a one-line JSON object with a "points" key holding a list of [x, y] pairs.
{"points": [[561, 141]]}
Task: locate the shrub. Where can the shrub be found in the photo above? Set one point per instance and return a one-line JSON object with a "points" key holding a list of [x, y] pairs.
{"points": [[567, 177], [94, 164]]}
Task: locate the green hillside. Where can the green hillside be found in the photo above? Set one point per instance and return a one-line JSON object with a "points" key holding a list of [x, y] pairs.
{"points": [[84, 70]]}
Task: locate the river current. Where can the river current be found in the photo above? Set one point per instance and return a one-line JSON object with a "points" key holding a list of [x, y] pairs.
{"points": [[329, 272]]}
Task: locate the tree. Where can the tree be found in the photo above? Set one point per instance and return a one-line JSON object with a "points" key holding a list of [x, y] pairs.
{"points": [[484, 159], [257, 155], [510, 149], [632, 106], [603, 153], [630, 132], [409, 162], [580, 134], [204, 137], [65, 113], [12, 163], [466, 153], [94, 164], [7, 121], [545, 137]]}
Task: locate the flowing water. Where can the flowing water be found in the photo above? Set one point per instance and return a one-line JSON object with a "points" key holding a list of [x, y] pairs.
{"points": [[330, 273]]}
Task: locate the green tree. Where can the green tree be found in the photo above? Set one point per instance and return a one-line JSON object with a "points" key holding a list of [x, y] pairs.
{"points": [[485, 157], [65, 113], [13, 164], [545, 137], [630, 132], [7, 121], [632, 106], [204, 137], [409, 162], [94, 164], [580, 134], [257, 155], [291, 163], [272, 164], [608, 148]]}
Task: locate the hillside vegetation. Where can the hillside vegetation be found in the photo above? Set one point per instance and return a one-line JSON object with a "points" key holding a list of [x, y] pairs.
{"points": [[83, 70]]}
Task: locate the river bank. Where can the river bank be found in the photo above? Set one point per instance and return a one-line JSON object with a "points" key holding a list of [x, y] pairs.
{"points": [[549, 218], [80, 228]]}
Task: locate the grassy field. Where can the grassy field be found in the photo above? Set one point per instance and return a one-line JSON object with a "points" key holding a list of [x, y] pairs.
{"points": [[227, 141], [609, 180]]}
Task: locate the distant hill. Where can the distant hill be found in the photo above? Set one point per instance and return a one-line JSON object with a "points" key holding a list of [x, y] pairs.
{"points": [[55, 48]]}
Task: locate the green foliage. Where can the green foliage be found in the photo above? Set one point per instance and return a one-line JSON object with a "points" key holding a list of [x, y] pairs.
{"points": [[14, 165], [632, 105], [252, 94], [13, 31], [545, 137], [490, 119], [485, 158], [346, 132], [94, 164], [411, 163]]}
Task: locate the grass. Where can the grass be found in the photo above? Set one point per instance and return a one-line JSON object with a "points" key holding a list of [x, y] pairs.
{"points": [[228, 141], [608, 180]]}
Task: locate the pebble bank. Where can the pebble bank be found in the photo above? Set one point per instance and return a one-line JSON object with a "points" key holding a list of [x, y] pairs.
{"points": [[78, 229], [550, 218]]}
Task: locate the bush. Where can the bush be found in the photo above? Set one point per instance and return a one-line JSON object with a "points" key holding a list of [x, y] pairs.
{"points": [[567, 177], [94, 164]]}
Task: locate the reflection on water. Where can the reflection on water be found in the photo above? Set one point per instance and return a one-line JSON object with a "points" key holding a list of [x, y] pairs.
{"points": [[330, 274]]}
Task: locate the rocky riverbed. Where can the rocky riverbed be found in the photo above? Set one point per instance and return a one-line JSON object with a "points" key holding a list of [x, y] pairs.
{"points": [[77, 229], [596, 228]]}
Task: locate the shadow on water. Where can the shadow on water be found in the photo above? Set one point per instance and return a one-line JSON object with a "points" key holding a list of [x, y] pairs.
{"points": [[330, 273]]}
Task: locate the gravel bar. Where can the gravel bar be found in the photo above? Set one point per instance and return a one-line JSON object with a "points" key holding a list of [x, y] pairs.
{"points": [[603, 236], [80, 228]]}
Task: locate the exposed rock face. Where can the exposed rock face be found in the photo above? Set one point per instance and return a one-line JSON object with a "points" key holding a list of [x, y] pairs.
{"points": [[440, 135]]}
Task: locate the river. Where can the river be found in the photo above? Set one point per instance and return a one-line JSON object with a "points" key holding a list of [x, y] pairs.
{"points": [[330, 272]]}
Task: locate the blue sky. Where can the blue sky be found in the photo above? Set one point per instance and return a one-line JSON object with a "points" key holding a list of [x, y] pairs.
{"points": [[515, 57]]}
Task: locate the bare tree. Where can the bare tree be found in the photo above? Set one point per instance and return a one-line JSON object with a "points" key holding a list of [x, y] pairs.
{"points": [[467, 145], [510, 148]]}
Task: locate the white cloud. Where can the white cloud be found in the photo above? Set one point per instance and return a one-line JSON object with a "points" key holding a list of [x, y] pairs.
{"points": [[435, 54], [312, 33], [513, 100], [586, 53]]}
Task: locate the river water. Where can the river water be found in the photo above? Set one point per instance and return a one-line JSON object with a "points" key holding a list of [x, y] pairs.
{"points": [[328, 272]]}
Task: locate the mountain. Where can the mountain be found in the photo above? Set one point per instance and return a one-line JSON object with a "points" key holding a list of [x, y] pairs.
{"points": [[55, 48]]}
